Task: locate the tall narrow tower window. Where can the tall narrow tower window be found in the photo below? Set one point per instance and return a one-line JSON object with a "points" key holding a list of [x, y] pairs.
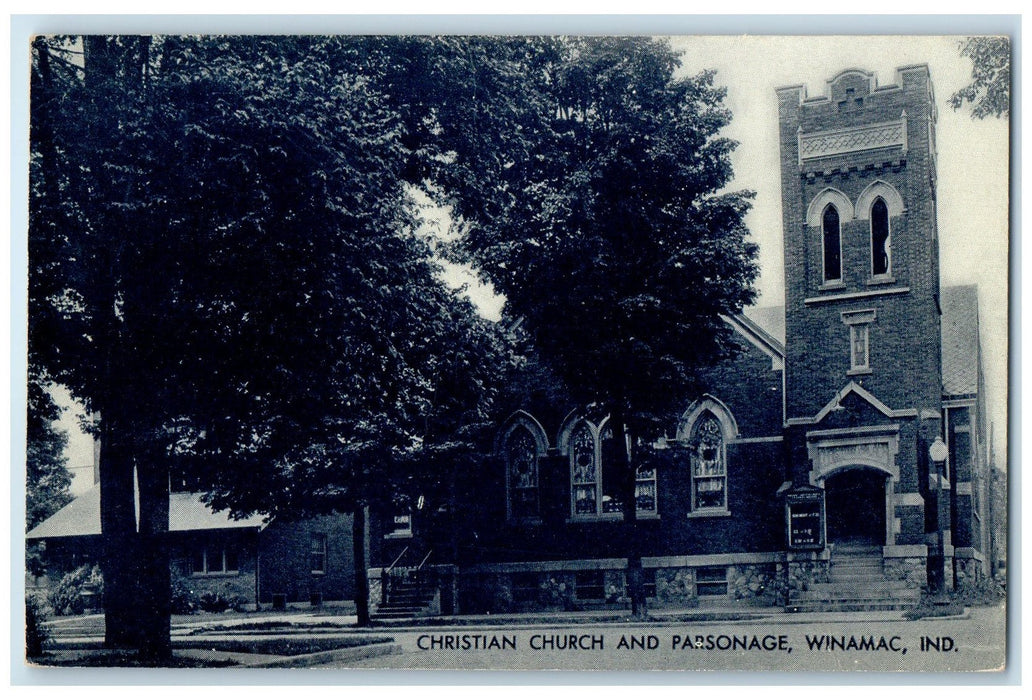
{"points": [[832, 245], [880, 251]]}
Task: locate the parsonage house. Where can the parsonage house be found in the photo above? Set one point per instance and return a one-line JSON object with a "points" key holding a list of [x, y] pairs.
{"points": [[252, 563], [837, 462]]}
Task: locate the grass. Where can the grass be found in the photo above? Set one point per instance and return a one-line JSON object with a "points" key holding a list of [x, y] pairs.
{"points": [[283, 647], [96, 657], [272, 626], [123, 659]]}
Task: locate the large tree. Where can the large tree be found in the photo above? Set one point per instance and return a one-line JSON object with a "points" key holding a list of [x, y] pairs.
{"points": [[229, 275], [988, 93], [590, 178]]}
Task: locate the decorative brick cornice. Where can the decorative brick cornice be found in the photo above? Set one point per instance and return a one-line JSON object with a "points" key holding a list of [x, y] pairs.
{"points": [[822, 144]]}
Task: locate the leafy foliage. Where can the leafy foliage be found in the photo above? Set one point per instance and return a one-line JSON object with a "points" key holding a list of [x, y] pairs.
{"points": [[77, 591], [36, 633], [47, 477], [989, 89], [598, 209], [226, 267]]}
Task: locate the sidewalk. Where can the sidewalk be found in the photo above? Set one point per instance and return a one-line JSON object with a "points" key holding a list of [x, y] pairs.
{"points": [[84, 635]]}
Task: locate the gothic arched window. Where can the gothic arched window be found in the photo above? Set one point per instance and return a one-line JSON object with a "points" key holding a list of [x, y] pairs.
{"points": [[709, 464], [584, 472], [880, 242], [832, 244], [521, 456]]}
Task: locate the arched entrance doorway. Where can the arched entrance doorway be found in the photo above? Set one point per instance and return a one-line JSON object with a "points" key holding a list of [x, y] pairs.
{"points": [[855, 506]]}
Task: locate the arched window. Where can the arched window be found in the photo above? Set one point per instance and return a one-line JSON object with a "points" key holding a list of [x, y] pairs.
{"points": [[596, 481], [521, 456], [584, 471], [832, 244], [709, 464], [880, 242]]}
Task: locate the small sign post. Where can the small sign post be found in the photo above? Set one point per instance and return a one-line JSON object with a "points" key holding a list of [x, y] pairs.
{"points": [[804, 518]]}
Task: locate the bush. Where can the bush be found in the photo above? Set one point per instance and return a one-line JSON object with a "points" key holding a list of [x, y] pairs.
{"points": [[184, 600], [217, 602], [214, 602], [36, 633], [985, 591], [77, 591]]}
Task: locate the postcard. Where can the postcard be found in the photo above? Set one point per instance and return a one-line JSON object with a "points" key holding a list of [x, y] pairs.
{"points": [[521, 352]]}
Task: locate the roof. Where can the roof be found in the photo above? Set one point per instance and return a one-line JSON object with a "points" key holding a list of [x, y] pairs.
{"points": [[960, 352], [770, 318], [186, 512]]}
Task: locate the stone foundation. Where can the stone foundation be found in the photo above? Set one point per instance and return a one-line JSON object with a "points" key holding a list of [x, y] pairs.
{"points": [[913, 570], [756, 583], [676, 587], [803, 573]]}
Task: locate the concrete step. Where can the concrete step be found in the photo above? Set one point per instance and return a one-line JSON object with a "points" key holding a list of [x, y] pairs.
{"points": [[848, 606], [852, 596], [861, 586]]}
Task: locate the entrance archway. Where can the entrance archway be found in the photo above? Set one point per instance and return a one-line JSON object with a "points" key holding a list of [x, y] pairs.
{"points": [[855, 506]]}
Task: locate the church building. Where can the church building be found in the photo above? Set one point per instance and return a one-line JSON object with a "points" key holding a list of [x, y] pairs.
{"points": [[836, 462]]}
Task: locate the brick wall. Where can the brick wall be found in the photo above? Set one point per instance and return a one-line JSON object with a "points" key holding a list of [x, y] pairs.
{"points": [[286, 567]]}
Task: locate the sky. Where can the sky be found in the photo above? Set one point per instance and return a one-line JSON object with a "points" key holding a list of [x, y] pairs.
{"points": [[973, 169]]}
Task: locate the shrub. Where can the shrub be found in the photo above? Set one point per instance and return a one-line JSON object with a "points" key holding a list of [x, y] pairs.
{"points": [[214, 602], [184, 600], [36, 633], [985, 591], [77, 591]]}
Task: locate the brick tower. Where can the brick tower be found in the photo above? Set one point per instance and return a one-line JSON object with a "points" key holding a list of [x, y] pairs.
{"points": [[863, 376]]}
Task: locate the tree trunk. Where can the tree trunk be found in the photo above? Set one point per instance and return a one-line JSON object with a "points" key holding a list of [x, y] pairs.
{"points": [[632, 538], [119, 559], [154, 596], [358, 536]]}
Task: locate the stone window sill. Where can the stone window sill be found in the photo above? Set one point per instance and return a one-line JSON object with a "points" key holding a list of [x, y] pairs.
{"points": [[833, 286], [608, 517], [880, 279], [710, 513], [858, 372]]}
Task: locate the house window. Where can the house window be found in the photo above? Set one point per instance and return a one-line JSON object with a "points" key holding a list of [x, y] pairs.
{"points": [[317, 554], [709, 464], [832, 245], [880, 242], [645, 490], [859, 324], [590, 585], [522, 456], [525, 587], [649, 579], [711, 581], [215, 560]]}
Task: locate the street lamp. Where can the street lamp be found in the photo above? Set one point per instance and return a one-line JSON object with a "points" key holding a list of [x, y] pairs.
{"points": [[938, 452]]}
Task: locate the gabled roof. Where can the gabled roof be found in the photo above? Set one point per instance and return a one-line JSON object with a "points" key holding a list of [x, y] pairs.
{"points": [[186, 512], [770, 318], [960, 351]]}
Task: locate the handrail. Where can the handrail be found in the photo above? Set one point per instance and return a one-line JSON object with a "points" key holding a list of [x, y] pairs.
{"points": [[429, 552], [396, 560]]}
